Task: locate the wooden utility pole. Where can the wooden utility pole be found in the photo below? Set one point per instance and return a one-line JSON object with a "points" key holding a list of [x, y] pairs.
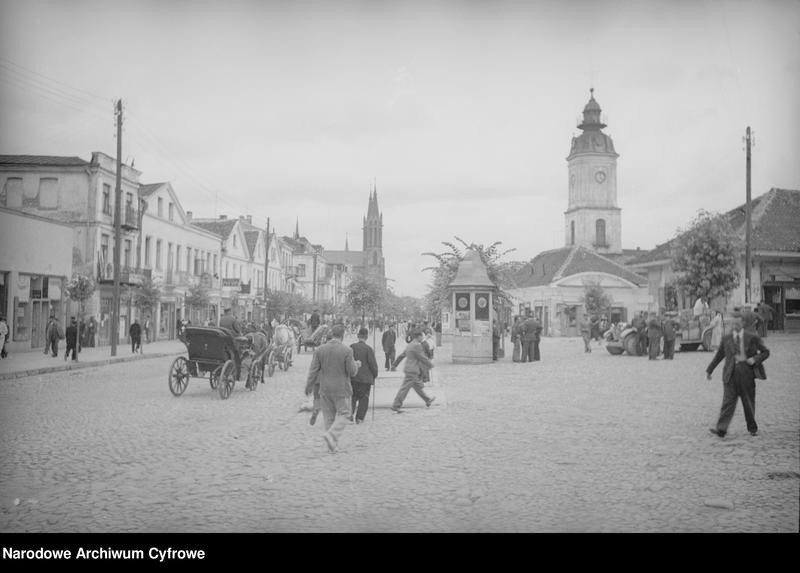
{"points": [[266, 274], [117, 233], [748, 231]]}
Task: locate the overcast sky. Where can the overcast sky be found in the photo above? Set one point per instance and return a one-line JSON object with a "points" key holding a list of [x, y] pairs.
{"points": [[462, 112]]}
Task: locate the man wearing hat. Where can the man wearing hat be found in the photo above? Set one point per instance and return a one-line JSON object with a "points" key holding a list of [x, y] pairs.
{"points": [[365, 377], [416, 363], [744, 353], [72, 339]]}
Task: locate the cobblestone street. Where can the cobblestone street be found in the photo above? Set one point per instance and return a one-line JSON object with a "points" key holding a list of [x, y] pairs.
{"points": [[575, 443]]}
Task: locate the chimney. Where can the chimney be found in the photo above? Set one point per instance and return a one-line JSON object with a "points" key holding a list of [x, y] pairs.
{"points": [[223, 217], [249, 219], [188, 215]]}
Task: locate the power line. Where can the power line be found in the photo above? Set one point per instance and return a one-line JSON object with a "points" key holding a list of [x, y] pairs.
{"points": [[24, 70]]}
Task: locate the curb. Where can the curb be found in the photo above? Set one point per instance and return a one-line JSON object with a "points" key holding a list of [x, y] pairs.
{"points": [[80, 365]]}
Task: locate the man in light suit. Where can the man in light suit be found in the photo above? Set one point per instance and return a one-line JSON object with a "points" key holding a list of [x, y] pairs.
{"points": [[415, 367], [332, 366], [744, 353]]}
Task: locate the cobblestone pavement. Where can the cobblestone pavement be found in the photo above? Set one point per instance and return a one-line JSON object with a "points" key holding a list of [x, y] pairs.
{"points": [[575, 443]]}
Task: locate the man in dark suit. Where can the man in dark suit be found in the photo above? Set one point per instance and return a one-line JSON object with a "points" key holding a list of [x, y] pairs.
{"points": [[365, 377], [332, 366], [229, 322], [653, 336], [744, 353], [72, 339], [669, 326], [531, 332], [388, 341]]}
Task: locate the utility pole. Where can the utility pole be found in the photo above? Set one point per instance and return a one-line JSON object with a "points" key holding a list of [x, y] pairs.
{"points": [[314, 286], [748, 231], [266, 273], [117, 233]]}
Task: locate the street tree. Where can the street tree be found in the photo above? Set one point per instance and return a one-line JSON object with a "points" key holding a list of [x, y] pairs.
{"points": [[438, 296], [595, 299], [147, 295], [80, 288], [704, 257], [365, 295], [198, 297]]}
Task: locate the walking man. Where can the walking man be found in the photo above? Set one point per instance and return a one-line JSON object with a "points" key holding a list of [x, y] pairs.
{"points": [[744, 353], [765, 316], [147, 326], [416, 362], [332, 366], [53, 333], [72, 340], [586, 333], [135, 332], [388, 341], [365, 377]]}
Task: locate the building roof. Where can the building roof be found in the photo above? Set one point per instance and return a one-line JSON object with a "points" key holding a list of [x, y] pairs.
{"points": [[472, 272], [353, 258], [774, 220], [550, 266], [222, 228], [42, 160], [150, 188]]}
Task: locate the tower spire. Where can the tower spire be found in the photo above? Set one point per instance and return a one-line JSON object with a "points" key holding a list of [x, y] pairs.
{"points": [[297, 228]]}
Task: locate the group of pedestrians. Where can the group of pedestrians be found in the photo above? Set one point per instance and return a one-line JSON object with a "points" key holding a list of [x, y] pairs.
{"points": [[341, 378], [526, 334]]}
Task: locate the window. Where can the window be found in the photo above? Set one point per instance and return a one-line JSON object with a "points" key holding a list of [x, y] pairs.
{"points": [[106, 199], [178, 257], [48, 193], [158, 255], [171, 212], [104, 249], [188, 259], [215, 264], [147, 258], [600, 233], [374, 257], [126, 260], [207, 267], [572, 232], [234, 241], [170, 259], [160, 207], [227, 270]]}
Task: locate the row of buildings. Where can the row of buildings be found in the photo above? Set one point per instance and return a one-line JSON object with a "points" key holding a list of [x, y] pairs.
{"points": [[553, 283], [57, 221]]}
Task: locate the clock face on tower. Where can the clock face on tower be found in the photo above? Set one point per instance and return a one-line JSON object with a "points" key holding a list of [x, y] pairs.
{"points": [[600, 176]]}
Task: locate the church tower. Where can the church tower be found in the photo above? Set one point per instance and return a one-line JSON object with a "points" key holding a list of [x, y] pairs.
{"points": [[373, 237], [593, 218]]}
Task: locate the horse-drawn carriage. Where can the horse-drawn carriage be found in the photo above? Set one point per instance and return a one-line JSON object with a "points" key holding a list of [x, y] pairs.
{"points": [[281, 350], [312, 339], [217, 353]]}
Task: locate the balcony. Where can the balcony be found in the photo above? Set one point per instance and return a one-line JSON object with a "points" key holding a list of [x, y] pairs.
{"points": [[127, 275]]}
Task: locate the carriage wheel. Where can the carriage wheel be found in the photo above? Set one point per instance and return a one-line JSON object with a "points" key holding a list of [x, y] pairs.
{"points": [[213, 378], [271, 364], [178, 376], [287, 358], [631, 344], [227, 379], [255, 374]]}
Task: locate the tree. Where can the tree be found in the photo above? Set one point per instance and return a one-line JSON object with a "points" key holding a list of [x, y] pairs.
{"points": [[147, 295], [197, 297], [705, 257], [595, 299], [365, 295], [284, 304], [80, 289], [438, 297]]}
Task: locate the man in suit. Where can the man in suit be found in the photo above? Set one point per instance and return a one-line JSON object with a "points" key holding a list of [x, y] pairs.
{"points": [[414, 368], [72, 340], [388, 341], [744, 353], [365, 377], [332, 366], [653, 336], [229, 322], [668, 327], [530, 332]]}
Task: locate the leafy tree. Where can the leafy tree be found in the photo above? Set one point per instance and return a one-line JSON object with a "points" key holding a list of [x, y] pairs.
{"points": [[365, 295], [282, 304], [438, 297], [198, 297], [80, 289], [595, 299], [147, 295], [705, 257]]}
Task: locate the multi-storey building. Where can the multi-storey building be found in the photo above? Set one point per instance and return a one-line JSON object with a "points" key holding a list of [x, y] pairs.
{"points": [[181, 256]]}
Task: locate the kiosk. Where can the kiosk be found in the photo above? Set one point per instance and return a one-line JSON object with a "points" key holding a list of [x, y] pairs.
{"points": [[472, 295]]}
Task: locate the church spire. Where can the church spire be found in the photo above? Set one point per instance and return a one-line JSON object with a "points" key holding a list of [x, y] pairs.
{"points": [[346, 245], [297, 228]]}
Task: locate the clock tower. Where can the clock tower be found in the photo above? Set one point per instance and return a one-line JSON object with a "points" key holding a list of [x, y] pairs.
{"points": [[592, 218]]}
